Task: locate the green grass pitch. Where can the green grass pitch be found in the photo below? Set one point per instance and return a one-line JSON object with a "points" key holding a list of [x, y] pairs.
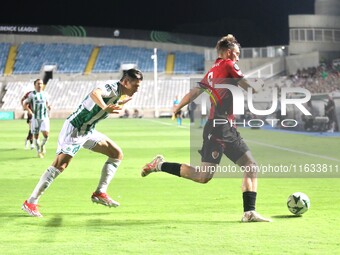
{"points": [[163, 214]]}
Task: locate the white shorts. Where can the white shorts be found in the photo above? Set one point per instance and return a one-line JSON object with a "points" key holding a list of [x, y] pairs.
{"points": [[39, 125], [70, 140]]}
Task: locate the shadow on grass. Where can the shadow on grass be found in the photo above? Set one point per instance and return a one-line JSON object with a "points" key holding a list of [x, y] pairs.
{"points": [[9, 149], [15, 215], [55, 222], [46, 216], [86, 213], [286, 216], [101, 219], [127, 223]]}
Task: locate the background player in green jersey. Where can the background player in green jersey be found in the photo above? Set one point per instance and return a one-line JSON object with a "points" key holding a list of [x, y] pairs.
{"points": [[40, 122]]}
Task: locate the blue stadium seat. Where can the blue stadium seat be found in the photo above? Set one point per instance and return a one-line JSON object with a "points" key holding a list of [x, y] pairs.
{"points": [[110, 59], [188, 63], [69, 58], [4, 49], [73, 58]]}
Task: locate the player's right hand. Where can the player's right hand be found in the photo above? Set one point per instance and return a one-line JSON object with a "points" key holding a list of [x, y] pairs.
{"points": [[124, 101], [257, 85], [112, 108], [176, 110]]}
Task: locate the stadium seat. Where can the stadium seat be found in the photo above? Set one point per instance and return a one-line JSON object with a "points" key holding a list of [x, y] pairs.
{"points": [[69, 58], [4, 49], [188, 63], [110, 59], [66, 95]]}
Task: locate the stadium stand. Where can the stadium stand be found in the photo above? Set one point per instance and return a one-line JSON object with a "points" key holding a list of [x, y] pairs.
{"points": [[170, 64], [92, 61], [188, 63], [4, 49], [321, 79], [66, 95], [14, 92], [74, 58], [69, 58], [10, 60], [110, 59], [167, 90]]}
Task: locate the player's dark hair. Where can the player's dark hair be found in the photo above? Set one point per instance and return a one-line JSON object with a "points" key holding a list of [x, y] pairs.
{"points": [[133, 74], [226, 42], [36, 81]]}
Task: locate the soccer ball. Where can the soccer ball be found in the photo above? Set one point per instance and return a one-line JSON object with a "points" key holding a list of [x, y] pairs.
{"points": [[298, 203]]}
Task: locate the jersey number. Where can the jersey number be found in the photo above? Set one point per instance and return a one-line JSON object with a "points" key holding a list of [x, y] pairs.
{"points": [[210, 77], [108, 88]]}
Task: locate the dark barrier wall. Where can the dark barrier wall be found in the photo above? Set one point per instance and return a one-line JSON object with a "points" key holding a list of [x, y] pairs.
{"points": [[80, 31]]}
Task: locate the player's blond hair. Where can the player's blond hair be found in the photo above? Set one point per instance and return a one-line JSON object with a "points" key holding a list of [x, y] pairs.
{"points": [[226, 42]]}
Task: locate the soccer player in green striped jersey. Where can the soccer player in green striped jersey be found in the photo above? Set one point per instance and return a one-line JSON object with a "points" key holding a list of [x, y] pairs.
{"points": [[79, 131], [40, 122]]}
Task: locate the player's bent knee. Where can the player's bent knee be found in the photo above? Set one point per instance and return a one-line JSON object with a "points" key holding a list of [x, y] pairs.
{"points": [[118, 154], [61, 162], [205, 180], [115, 152], [250, 169], [202, 180], [61, 167]]}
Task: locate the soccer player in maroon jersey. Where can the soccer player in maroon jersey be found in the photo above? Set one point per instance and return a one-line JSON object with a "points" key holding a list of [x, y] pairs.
{"points": [[29, 137], [221, 139]]}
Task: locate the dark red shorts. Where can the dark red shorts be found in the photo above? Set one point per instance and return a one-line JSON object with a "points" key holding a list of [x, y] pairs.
{"points": [[219, 140]]}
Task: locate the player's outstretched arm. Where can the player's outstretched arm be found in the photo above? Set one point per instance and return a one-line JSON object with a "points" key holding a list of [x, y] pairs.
{"points": [[189, 97], [97, 98], [257, 85]]}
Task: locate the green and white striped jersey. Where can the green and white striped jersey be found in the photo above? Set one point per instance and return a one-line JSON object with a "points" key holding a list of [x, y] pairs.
{"points": [[38, 101], [89, 113]]}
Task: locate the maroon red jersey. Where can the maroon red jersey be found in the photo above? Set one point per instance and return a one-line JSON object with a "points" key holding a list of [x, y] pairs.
{"points": [[25, 97], [222, 72]]}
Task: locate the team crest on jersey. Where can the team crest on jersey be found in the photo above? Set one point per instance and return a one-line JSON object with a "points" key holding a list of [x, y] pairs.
{"points": [[236, 67], [215, 154]]}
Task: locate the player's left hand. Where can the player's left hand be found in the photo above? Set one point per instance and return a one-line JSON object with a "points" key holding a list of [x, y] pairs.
{"points": [[113, 108]]}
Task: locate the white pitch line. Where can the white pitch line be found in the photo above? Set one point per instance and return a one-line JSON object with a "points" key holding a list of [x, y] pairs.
{"points": [[263, 144], [164, 123], [294, 151]]}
